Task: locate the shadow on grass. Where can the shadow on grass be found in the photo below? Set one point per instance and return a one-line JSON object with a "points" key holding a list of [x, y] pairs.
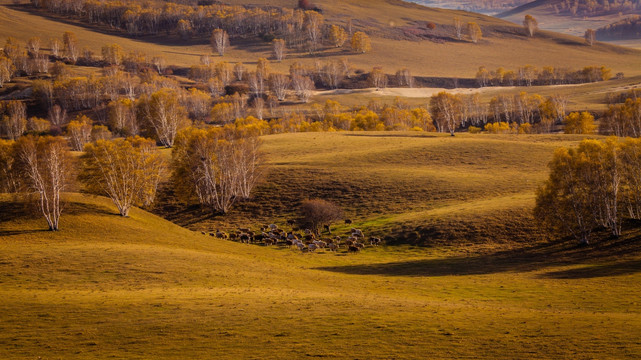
{"points": [[602, 259], [393, 135], [615, 269]]}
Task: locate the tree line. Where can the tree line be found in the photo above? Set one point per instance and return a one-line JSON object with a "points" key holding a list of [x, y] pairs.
{"points": [[593, 186], [299, 28], [529, 75], [214, 167]]}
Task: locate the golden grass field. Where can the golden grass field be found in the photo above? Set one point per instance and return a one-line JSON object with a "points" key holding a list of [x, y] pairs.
{"points": [[472, 276], [142, 287], [420, 187]]}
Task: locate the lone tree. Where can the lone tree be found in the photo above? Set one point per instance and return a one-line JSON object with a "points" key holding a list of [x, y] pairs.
{"points": [[590, 36], [458, 28], [337, 36], [219, 41], [474, 32], [530, 24], [279, 48], [316, 213], [128, 171], [44, 167], [361, 42]]}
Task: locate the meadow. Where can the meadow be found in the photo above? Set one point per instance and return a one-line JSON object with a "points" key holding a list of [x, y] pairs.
{"points": [[465, 271], [142, 287], [418, 187]]}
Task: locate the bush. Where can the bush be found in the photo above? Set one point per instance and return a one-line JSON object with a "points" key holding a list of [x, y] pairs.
{"points": [[317, 212], [474, 130]]}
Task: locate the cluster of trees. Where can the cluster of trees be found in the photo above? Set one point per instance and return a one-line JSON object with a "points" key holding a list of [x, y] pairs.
{"points": [[596, 185], [623, 117], [627, 28], [594, 7], [304, 27], [520, 113], [217, 166], [529, 75], [473, 30]]}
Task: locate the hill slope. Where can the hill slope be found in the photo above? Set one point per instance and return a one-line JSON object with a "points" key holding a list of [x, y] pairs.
{"points": [[554, 15], [387, 22], [108, 287]]}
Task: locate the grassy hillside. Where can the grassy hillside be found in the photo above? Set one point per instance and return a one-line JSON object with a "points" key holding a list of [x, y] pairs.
{"points": [[140, 288], [549, 19], [412, 187], [503, 44]]}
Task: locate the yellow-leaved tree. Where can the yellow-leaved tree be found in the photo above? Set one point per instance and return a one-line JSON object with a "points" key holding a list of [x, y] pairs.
{"points": [[579, 123], [126, 170], [361, 42]]}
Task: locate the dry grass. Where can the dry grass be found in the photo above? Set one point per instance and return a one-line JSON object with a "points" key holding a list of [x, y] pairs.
{"points": [[412, 187], [503, 45], [140, 288]]}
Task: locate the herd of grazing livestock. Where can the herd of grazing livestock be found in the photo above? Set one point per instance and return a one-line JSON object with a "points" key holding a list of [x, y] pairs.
{"points": [[307, 241]]}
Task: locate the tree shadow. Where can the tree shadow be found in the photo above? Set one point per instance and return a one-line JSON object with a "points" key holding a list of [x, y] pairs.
{"points": [[601, 270], [534, 258], [418, 135]]}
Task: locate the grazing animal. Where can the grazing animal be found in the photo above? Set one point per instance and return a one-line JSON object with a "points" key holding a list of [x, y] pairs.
{"points": [[245, 238], [212, 234], [357, 232], [348, 221], [333, 247], [202, 232], [301, 246], [312, 247], [291, 222], [221, 235], [349, 242], [359, 245], [273, 227], [327, 228], [374, 241], [353, 249]]}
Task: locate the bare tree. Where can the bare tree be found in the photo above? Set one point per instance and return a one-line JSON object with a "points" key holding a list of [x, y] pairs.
{"points": [[377, 78], [219, 41], [279, 48], [44, 165], [33, 46], [316, 213], [458, 28], [313, 25], [215, 167], [445, 109], [279, 83], [14, 123], [164, 115], [590, 36], [404, 78], [240, 70], [54, 44], [303, 86], [70, 45]]}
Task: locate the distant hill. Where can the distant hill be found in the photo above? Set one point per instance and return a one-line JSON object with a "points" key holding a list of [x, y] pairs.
{"points": [[573, 17], [396, 27], [483, 6], [624, 29]]}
